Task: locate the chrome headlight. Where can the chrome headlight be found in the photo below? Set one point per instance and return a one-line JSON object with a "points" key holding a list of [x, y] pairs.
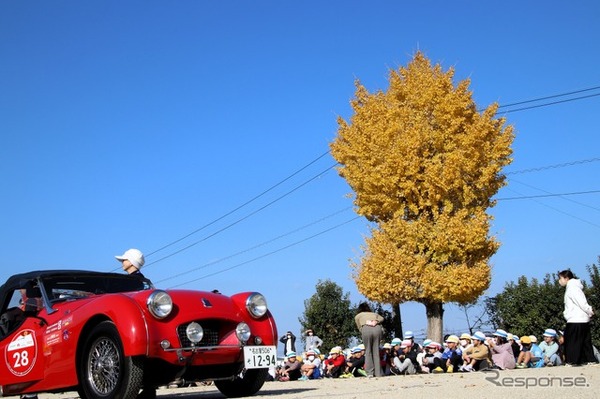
{"points": [[194, 332], [242, 331], [256, 305], [160, 304]]}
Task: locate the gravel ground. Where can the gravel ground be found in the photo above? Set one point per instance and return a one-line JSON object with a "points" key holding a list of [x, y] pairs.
{"points": [[551, 382]]}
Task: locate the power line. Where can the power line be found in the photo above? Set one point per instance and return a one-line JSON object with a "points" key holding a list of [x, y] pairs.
{"points": [[548, 195], [258, 245], [547, 192], [269, 253], [548, 97], [558, 210], [240, 206], [555, 166], [551, 103], [328, 152], [243, 218]]}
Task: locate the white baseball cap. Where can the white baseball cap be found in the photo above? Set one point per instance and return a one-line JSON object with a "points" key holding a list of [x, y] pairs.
{"points": [[135, 256]]}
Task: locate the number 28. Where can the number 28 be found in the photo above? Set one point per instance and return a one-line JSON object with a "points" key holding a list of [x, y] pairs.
{"points": [[21, 359]]}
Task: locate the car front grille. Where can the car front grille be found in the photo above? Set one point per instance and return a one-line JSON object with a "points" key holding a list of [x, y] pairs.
{"points": [[211, 334]]}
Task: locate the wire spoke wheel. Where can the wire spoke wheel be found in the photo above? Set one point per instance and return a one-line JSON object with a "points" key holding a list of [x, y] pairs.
{"points": [[104, 366], [104, 371]]}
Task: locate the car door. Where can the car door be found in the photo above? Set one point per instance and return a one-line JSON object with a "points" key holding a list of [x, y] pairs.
{"points": [[22, 345]]}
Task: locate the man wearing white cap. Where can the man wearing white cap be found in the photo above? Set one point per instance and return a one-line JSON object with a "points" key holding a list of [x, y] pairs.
{"points": [[132, 261]]}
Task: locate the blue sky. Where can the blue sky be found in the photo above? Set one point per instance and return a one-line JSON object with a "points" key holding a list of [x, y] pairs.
{"points": [[135, 124]]}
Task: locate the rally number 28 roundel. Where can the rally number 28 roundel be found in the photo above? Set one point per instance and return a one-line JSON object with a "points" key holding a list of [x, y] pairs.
{"points": [[21, 353]]}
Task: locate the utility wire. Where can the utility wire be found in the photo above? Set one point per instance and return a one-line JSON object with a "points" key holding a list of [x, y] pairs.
{"points": [[258, 245], [551, 103], [555, 166], [240, 206], [243, 218], [547, 195], [269, 253], [547, 192], [548, 97], [327, 152], [556, 209]]}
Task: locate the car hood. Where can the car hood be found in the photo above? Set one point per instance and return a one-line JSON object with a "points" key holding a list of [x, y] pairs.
{"points": [[188, 303]]}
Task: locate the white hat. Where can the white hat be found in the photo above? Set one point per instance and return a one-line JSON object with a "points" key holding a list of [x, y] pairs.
{"points": [[550, 333], [407, 343], [135, 256], [533, 338]]}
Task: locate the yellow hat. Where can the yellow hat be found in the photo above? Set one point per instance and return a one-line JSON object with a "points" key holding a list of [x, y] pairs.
{"points": [[452, 338], [525, 339]]}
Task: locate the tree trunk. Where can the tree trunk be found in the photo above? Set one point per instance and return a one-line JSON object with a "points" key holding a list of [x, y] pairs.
{"points": [[435, 320], [397, 320]]}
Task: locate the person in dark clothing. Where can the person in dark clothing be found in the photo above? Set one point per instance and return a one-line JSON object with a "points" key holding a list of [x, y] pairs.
{"points": [[289, 342], [406, 362], [291, 370], [355, 364], [578, 347], [516, 348]]}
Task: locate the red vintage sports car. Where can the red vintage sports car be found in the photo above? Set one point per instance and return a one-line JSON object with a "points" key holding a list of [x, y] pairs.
{"points": [[110, 335]]}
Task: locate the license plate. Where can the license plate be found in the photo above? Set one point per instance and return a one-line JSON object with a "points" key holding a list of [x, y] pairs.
{"points": [[260, 357]]}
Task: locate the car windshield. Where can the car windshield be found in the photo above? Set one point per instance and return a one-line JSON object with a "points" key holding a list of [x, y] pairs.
{"points": [[79, 286]]}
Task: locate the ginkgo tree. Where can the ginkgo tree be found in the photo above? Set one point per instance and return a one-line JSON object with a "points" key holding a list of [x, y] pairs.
{"points": [[424, 164]]}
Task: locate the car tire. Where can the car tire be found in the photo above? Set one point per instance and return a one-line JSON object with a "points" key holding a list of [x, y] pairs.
{"points": [[246, 384], [104, 371]]}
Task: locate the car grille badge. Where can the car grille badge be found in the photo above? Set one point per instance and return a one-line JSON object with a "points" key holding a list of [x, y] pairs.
{"points": [[206, 303]]}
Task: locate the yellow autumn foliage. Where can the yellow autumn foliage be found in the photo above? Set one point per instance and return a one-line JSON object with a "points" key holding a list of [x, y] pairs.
{"points": [[424, 164]]}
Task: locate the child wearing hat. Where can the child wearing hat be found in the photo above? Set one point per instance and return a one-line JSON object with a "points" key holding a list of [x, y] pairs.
{"points": [[396, 352], [311, 367], [478, 356], [503, 356], [452, 357], [334, 365], [406, 362], [465, 341], [432, 361], [291, 368], [355, 364], [549, 348], [531, 355]]}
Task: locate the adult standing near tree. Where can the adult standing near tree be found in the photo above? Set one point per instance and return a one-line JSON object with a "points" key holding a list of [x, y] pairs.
{"points": [[312, 341], [578, 337], [369, 325]]}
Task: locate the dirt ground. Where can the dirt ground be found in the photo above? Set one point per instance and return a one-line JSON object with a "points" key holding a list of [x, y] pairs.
{"points": [[551, 382]]}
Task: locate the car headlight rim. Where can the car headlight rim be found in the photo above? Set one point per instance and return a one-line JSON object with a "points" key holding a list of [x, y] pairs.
{"points": [[243, 332], [256, 304], [160, 304], [194, 332]]}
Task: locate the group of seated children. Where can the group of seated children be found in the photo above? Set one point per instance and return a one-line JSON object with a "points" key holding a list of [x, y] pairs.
{"points": [[466, 353], [476, 352]]}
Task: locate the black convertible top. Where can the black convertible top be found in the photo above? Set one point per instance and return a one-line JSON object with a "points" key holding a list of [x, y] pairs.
{"points": [[84, 280]]}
